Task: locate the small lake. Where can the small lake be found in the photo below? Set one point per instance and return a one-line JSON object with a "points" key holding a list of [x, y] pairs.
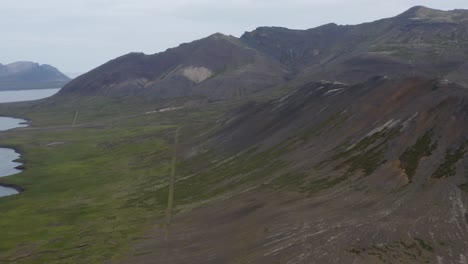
{"points": [[8, 165], [8, 156], [7, 191], [10, 123]]}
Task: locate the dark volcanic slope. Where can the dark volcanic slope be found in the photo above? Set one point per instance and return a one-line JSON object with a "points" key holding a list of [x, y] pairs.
{"points": [[370, 173], [217, 66], [419, 42], [29, 75]]}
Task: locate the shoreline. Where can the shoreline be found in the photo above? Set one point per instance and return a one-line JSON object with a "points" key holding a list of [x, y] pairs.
{"points": [[29, 89], [21, 167], [26, 121], [16, 187], [20, 189]]}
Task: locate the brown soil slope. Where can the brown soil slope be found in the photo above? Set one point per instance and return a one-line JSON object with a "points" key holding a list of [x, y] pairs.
{"points": [[370, 173]]}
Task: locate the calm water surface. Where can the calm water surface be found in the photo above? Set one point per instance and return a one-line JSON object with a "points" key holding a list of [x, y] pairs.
{"points": [[26, 95], [7, 156]]}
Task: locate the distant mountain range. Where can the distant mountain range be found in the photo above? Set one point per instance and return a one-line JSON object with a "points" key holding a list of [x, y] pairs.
{"points": [[418, 42], [29, 75]]}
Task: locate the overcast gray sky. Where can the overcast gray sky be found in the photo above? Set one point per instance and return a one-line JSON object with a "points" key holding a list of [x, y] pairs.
{"points": [[78, 35]]}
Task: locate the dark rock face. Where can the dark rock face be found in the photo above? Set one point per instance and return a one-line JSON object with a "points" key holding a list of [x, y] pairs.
{"points": [[30, 75], [419, 42]]}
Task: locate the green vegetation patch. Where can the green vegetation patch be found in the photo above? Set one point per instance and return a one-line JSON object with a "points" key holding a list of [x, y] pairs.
{"points": [[367, 155], [92, 190], [73, 209], [449, 166], [424, 245], [409, 160], [414, 250], [250, 167], [464, 187], [298, 182], [323, 184], [289, 181]]}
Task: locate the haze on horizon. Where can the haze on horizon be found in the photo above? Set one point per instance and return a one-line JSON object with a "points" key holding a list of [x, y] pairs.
{"points": [[77, 36]]}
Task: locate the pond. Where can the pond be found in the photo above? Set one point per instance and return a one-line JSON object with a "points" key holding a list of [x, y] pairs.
{"points": [[8, 157]]}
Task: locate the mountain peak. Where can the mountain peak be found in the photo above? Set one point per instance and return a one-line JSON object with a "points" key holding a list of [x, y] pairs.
{"points": [[221, 36], [218, 35], [21, 66], [423, 13], [420, 8], [30, 75]]}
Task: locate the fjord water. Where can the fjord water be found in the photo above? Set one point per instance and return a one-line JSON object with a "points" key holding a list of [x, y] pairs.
{"points": [[8, 156], [10, 123], [26, 95], [7, 191], [8, 168], [7, 162]]}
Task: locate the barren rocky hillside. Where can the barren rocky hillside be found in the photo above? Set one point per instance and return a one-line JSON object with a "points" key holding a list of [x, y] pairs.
{"points": [[333, 173]]}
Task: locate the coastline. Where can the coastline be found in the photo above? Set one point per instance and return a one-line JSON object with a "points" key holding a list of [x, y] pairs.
{"points": [[26, 121], [21, 167], [18, 188]]}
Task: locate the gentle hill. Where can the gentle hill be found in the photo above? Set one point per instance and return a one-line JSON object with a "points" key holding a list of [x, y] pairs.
{"points": [[29, 75]]}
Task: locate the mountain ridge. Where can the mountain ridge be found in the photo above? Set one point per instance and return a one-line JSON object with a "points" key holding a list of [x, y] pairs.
{"points": [[397, 46], [191, 68], [430, 45], [24, 75]]}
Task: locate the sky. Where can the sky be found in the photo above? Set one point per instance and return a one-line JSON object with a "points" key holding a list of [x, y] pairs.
{"points": [[79, 35]]}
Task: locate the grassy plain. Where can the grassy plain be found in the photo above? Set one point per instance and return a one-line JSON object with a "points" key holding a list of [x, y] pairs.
{"points": [[95, 184], [92, 188]]}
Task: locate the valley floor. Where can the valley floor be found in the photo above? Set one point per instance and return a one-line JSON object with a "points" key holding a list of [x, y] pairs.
{"points": [[96, 191]]}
